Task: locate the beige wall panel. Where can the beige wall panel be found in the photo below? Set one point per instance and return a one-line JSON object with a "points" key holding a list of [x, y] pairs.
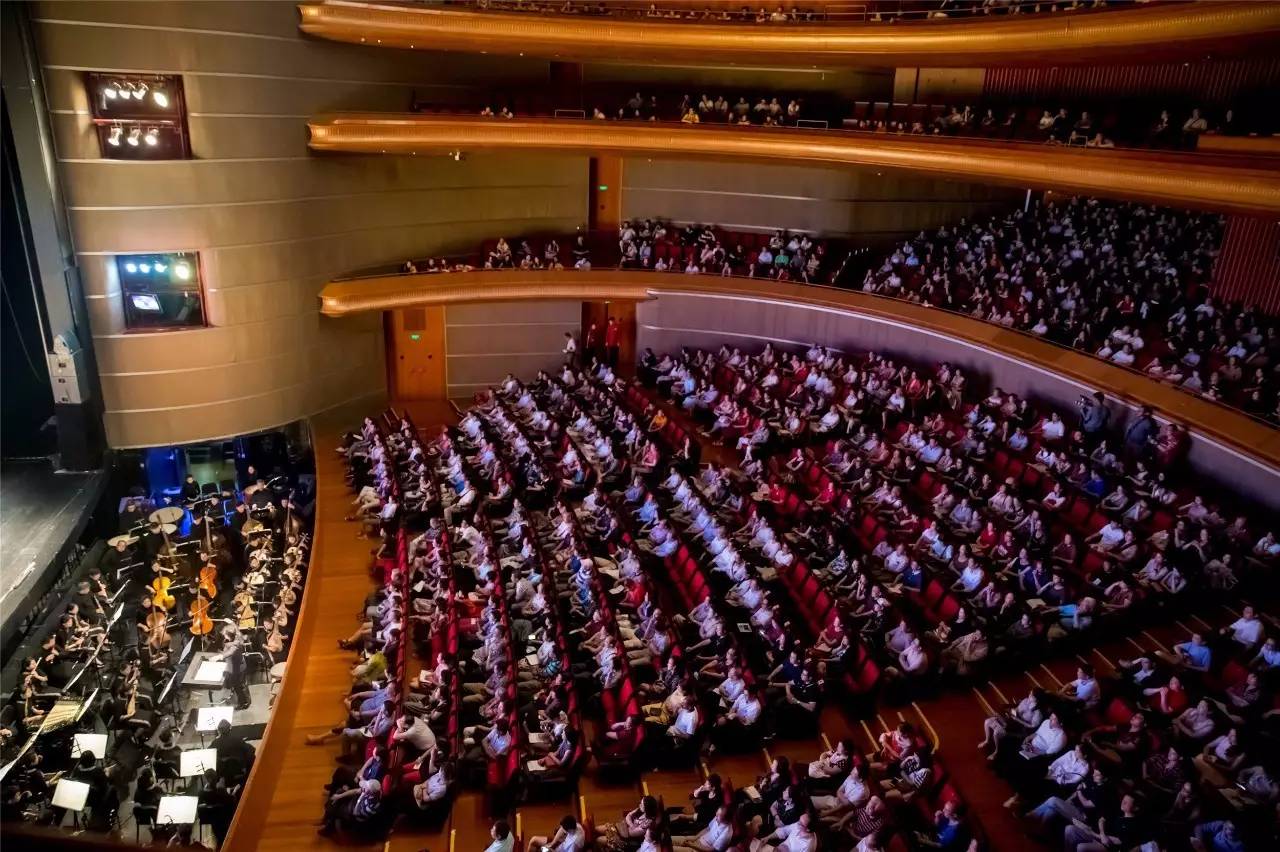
{"points": [[514, 313], [471, 340], [812, 199], [944, 85], [272, 222], [116, 183], [240, 18], [242, 224], [851, 83], [122, 47]]}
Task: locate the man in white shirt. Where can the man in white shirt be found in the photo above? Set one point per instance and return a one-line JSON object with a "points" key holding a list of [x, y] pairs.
{"points": [[1247, 630], [716, 837], [797, 837], [503, 839]]}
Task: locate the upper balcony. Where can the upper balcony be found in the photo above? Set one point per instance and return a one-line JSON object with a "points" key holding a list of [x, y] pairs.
{"points": [[1195, 180], [1154, 33]]}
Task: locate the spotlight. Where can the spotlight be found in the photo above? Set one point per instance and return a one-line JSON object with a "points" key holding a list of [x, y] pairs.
{"points": [[134, 135], [139, 91], [145, 267], [131, 267], [152, 137], [114, 138], [161, 99], [159, 267], [110, 92], [182, 270]]}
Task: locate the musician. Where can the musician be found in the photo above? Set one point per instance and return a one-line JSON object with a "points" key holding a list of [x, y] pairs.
{"points": [[231, 747], [117, 557], [89, 603], [133, 515], [232, 654], [190, 489]]}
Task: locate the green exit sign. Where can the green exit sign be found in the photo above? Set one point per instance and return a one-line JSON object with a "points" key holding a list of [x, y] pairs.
{"points": [[415, 337], [604, 187]]}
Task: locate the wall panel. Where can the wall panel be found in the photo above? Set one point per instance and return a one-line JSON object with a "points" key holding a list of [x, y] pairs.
{"points": [[873, 207], [1248, 268], [272, 222], [486, 341]]}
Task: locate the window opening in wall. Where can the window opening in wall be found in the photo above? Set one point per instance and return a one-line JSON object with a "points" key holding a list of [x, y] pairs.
{"points": [[139, 116], [161, 291]]}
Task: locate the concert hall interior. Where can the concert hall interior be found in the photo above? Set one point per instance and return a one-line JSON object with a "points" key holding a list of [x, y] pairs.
{"points": [[552, 425]]}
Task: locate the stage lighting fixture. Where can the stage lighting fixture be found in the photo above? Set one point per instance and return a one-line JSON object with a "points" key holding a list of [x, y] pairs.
{"points": [[114, 138], [139, 91], [145, 267], [152, 136], [160, 97], [182, 270], [160, 267], [131, 267], [134, 135], [110, 92]]}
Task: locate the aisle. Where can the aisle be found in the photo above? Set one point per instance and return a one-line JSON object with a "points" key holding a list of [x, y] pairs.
{"points": [[285, 799]]}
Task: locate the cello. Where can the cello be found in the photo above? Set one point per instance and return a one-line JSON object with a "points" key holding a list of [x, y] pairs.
{"points": [[201, 624], [162, 598], [207, 581]]}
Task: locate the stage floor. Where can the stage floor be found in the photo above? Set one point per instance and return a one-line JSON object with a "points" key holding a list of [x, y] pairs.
{"points": [[41, 510]]}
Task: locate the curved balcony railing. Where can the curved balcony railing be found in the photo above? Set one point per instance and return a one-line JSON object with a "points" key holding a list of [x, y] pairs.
{"points": [[1179, 179], [390, 290], [1157, 33]]}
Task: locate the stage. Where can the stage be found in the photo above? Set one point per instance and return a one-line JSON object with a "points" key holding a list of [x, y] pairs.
{"points": [[42, 513]]}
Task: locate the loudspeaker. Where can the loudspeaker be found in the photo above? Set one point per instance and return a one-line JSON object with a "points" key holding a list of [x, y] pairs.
{"points": [[80, 437]]}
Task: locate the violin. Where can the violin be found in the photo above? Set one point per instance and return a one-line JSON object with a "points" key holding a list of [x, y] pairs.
{"points": [[201, 624], [162, 598], [207, 582]]}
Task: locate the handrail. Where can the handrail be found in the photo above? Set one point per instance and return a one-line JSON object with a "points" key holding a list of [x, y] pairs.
{"points": [[1232, 427], [1176, 31], [1164, 177]]}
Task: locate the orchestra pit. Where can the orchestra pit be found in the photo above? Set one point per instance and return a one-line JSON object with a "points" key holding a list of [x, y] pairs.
{"points": [[674, 426]]}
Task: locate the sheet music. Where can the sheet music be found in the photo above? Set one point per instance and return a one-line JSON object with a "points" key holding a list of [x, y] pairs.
{"points": [[195, 761], [210, 671], [71, 795], [207, 718], [96, 743], [177, 810]]}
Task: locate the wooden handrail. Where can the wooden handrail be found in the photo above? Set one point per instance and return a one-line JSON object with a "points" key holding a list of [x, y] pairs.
{"points": [[1182, 31], [1224, 425], [1216, 182]]}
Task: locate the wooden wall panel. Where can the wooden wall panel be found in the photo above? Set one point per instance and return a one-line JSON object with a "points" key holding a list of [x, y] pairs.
{"points": [[1248, 268], [272, 221], [1216, 82]]}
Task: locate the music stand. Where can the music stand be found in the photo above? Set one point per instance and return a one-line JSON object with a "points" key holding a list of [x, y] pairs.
{"points": [[72, 796], [164, 693], [96, 743], [196, 760], [177, 810], [207, 718]]}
